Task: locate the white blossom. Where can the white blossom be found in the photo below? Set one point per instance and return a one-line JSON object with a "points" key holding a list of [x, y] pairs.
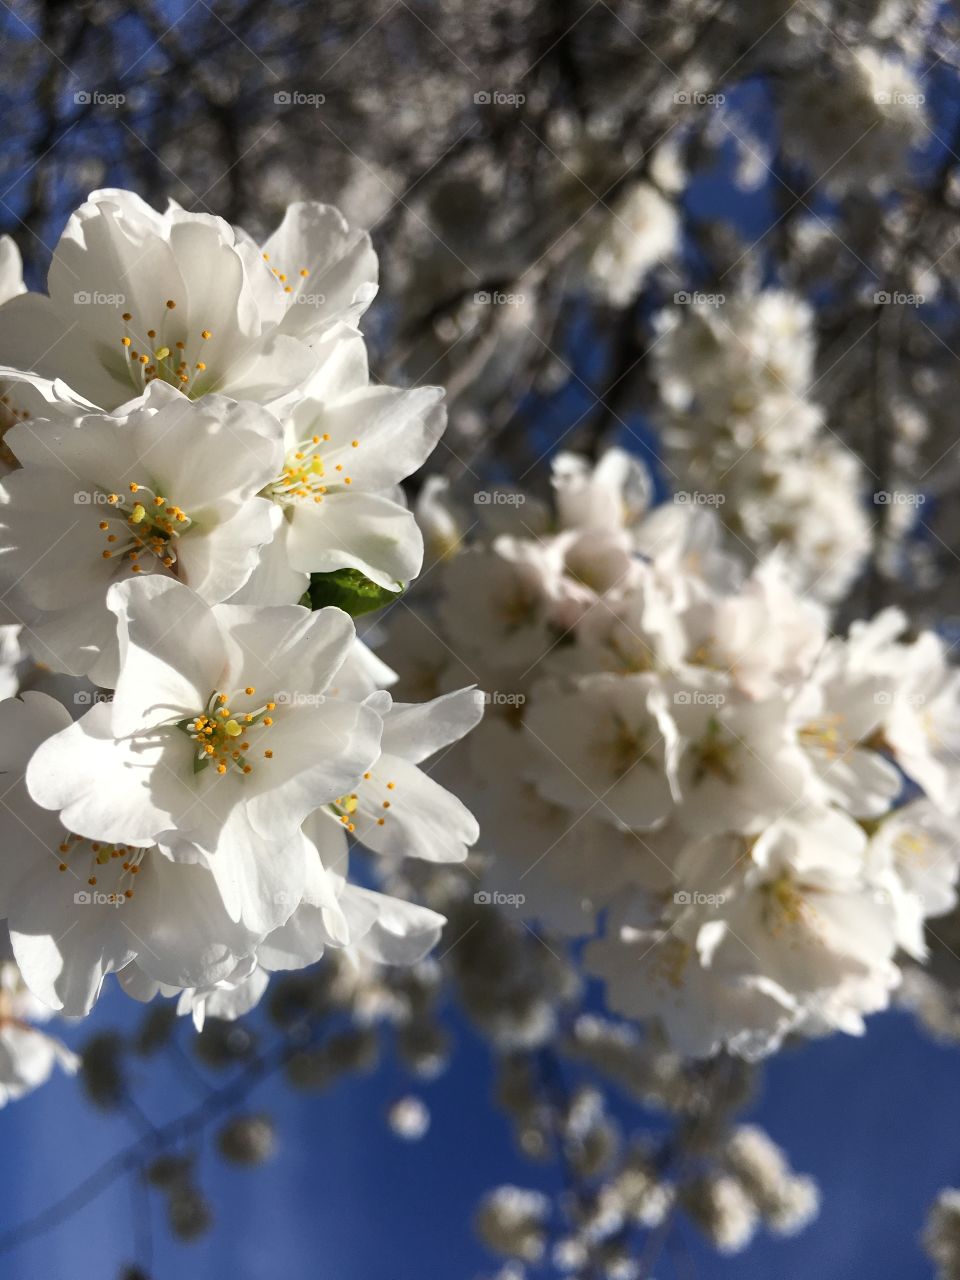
{"points": [[218, 742], [639, 231], [137, 296], [347, 445], [163, 487], [857, 123]]}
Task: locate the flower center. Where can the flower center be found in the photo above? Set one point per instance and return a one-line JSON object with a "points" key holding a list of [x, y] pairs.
{"points": [[668, 963], [305, 475], [714, 755], [627, 747], [167, 352], [912, 844], [222, 735], [143, 523], [520, 608], [281, 277], [345, 806], [826, 733], [108, 869], [785, 904]]}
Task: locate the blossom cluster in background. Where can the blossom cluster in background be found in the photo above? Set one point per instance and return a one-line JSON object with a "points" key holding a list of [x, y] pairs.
{"points": [[750, 816], [742, 434]]}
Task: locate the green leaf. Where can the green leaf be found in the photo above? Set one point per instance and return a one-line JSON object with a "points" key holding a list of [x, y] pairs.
{"points": [[350, 591]]}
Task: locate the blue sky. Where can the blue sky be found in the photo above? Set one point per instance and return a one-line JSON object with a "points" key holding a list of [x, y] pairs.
{"points": [[346, 1200]]}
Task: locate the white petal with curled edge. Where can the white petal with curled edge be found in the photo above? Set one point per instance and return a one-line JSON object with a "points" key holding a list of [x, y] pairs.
{"points": [[401, 932], [417, 730]]}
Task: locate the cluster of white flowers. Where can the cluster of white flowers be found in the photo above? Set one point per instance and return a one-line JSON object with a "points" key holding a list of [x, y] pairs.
{"points": [[730, 1180], [512, 1221], [639, 230], [755, 815], [856, 119], [192, 433], [744, 434]]}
